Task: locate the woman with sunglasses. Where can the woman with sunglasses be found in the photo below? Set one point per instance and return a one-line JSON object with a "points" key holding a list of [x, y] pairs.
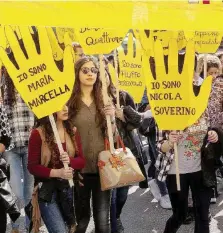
{"points": [[87, 113]]}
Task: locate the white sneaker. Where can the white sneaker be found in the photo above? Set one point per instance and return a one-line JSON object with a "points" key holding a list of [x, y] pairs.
{"points": [[165, 202], [213, 200], [154, 189]]}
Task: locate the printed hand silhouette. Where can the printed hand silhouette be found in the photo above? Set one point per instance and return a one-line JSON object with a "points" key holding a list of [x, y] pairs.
{"points": [[57, 50], [148, 37], [42, 86], [171, 96], [131, 78], [61, 34]]}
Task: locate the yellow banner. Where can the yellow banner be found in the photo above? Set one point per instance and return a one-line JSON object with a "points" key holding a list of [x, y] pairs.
{"points": [[56, 49], [100, 40], [205, 41], [171, 96], [148, 37], [131, 78], [156, 15], [61, 33], [42, 86]]}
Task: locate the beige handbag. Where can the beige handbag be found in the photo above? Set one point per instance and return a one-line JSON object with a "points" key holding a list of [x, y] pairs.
{"points": [[119, 168]]}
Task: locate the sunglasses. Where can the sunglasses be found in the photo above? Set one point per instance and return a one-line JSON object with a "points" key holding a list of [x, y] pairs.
{"points": [[86, 70], [80, 54]]}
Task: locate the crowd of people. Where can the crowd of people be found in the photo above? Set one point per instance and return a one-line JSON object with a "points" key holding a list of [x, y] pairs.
{"points": [[39, 182]]}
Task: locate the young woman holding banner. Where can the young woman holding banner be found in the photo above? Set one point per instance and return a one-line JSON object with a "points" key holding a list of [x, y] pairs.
{"points": [[87, 113], [46, 164], [194, 163], [198, 147]]}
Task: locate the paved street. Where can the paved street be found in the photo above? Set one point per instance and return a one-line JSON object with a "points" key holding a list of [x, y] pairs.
{"points": [[143, 215]]}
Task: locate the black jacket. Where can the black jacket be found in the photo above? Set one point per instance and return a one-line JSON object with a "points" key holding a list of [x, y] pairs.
{"points": [[126, 131], [210, 158], [132, 121], [149, 124], [7, 198]]}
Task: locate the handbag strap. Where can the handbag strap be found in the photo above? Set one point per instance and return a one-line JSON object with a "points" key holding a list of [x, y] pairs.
{"points": [[107, 146], [119, 143]]}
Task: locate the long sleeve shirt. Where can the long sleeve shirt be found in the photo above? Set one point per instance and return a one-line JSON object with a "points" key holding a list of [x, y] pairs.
{"points": [[34, 156], [215, 106], [21, 119], [91, 136]]}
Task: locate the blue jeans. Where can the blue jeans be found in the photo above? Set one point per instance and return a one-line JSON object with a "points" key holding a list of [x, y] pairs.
{"points": [[162, 187], [52, 217], [17, 158], [152, 170]]}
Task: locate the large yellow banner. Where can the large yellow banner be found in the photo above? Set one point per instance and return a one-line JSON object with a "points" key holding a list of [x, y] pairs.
{"points": [[157, 15], [99, 40], [131, 78], [171, 96], [43, 87]]}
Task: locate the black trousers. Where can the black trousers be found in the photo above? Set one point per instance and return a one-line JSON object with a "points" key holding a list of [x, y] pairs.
{"points": [[152, 168], [118, 200], [100, 202], [3, 218], [179, 199]]}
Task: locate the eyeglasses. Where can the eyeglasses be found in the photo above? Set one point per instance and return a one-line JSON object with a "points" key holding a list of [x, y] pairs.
{"points": [[86, 70]]}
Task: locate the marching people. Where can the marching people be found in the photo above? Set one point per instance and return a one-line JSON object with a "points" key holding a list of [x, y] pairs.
{"points": [[194, 144], [148, 129], [193, 167], [35, 160], [192, 148], [7, 198], [220, 56], [127, 120], [78, 50], [214, 68], [216, 102], [87, 113], [21, 121], [55, 201]]}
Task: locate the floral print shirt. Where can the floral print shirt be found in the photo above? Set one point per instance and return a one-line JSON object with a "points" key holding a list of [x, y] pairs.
{"points": [[189, 147], [215, 106]]}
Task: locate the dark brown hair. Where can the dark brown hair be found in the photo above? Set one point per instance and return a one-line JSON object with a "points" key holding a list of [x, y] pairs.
{"points": [[220, 55], [111, 87], [45, 125], [75, 99], [76, 45], [212, 65], [11, 91]]}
